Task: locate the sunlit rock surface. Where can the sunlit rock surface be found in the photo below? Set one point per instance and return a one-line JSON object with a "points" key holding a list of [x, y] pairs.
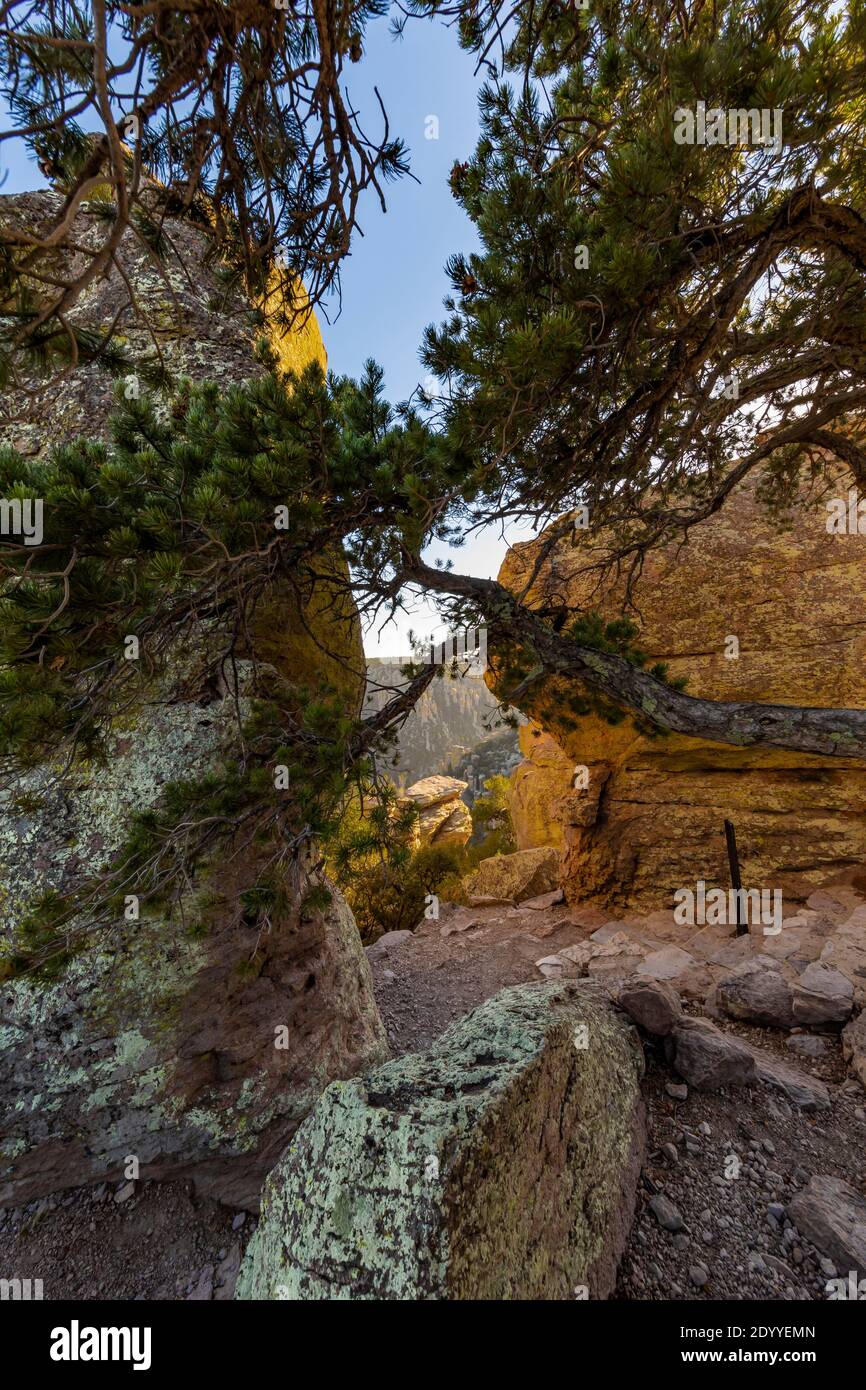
{"points": [[651, 815]]}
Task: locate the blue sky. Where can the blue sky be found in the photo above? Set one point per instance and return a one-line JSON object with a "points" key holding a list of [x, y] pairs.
{"points": [[393, 280]]}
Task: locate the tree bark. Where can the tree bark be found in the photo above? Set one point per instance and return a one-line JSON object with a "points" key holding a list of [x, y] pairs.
{"points": [[839, 733]]}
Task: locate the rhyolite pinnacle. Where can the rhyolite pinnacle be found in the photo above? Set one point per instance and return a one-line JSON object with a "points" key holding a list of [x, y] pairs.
{"points": [[500, 1164]]}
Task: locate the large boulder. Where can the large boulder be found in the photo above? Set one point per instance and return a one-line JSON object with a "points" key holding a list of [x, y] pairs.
{"points": [[525, 874], [500, 1164], [188, 1044], [649, 814]]}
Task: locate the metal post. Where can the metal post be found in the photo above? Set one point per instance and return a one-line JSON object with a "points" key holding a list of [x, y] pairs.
{"points": [[734, 862]]}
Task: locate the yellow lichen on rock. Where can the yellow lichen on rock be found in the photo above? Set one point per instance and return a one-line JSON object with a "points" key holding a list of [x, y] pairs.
{"points": [[536, 788], [294, 336]]}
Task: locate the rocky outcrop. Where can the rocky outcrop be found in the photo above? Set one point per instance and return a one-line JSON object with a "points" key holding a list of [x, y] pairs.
{"points": [[501, 1164], [540, 790], [444, 819], [189, 1043], [650, 817], [496, 755], [515, 877]]}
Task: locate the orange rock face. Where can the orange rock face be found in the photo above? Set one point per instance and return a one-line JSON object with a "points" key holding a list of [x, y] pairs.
{"points": [[536, 788], [647, 814]]}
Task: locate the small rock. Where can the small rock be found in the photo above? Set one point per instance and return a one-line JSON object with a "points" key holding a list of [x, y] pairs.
{"points": [[699, 1274], [756, 992], [124, 1193], [652, 1004], [551, 967], [386, 943], [544, 901], [670, 1152], [675, 1091], [822, 995], [666, 1213]]}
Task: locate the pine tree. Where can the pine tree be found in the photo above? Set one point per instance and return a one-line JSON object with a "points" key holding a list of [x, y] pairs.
{"points": [[624, 276]]}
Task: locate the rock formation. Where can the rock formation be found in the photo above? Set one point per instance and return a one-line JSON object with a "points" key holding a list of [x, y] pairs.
{"points": [[500, 1164], [444, 818], [197, 1054], [537, 788], [650, 817], [515, 877]]}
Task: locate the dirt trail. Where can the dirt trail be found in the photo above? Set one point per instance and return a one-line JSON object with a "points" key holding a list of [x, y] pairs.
{"points": [[151, 1241]]}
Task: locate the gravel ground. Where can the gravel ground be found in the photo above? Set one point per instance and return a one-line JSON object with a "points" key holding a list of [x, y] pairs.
{"points": [[126, 1241], [729, 1162], [725, 1164]]}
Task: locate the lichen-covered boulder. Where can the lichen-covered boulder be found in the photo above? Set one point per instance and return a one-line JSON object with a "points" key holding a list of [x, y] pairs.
{"points": [[525, 874], [195, 1052], [183, 314], [189, 1044], [500, 1164]]}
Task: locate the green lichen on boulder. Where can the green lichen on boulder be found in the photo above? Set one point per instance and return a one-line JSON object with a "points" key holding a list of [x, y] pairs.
{"points": [[157, 1043], [500, 1164], [159, 1040]]}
